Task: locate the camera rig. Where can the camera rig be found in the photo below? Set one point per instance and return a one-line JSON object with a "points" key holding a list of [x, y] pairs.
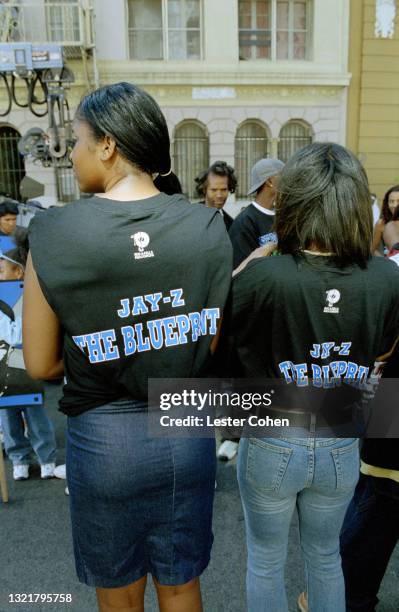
{"points": [[46, 78]]}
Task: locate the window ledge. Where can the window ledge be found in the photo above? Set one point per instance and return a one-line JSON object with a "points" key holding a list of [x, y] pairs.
{"points": [[239, 73]]}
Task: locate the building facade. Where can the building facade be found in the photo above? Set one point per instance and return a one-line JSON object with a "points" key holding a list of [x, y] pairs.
{"points": [[237, 79], [373, 99]]}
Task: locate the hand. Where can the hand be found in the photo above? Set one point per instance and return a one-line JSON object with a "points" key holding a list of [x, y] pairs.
{"points": [[263, 251]]}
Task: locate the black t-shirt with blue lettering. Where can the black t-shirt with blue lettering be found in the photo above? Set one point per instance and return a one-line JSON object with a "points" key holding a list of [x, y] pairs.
{"points": [[251, 229], [138, 288], [307, 321]]}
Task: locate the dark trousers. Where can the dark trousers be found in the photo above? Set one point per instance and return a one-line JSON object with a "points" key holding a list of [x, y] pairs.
{"points": [[368, 538]]}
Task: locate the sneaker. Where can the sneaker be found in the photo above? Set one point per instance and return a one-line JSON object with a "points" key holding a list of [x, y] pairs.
{"points": [[303, 602], [47, 470], [60, 471], [227, 450], [20, 472], [66, 491]]}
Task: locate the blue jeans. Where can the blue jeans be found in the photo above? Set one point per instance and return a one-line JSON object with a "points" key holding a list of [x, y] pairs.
{"points": [[316, 475], [368, 537], [40, 434]]}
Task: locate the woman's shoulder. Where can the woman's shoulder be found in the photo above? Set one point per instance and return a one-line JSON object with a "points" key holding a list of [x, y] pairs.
{"points": [[380, 224], [384, 270], [195, 209], [49, 227], [54, 213], [271, 267], [197, 215]]}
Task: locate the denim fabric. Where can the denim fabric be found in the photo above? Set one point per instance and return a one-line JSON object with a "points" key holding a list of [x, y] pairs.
{"points": [[368, 537], [316, 475], [40, 435], [138, 505]]}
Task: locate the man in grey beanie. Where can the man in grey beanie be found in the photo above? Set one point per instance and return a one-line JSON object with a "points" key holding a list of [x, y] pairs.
{"points": [[253, 227]]}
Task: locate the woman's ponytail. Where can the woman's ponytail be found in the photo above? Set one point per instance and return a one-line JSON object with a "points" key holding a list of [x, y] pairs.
{"points": [[168, 183]]}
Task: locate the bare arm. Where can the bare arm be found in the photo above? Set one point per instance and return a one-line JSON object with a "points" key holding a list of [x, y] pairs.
{"points": [[377, 236], [215, 340], [263, 251], [42, 341]]}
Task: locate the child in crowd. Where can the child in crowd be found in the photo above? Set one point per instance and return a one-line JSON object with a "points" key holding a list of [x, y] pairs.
{"points": [[25, 428]]}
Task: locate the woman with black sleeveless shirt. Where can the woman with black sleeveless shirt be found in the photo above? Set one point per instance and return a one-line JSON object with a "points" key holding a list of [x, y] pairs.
{"points": [[127, 285]]}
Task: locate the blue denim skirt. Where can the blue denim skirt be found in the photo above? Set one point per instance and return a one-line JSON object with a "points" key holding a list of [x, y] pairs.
{"points": [[138, 505]]}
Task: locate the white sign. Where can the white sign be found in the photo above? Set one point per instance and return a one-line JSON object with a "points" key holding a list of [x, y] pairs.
{"points": [[213, 93], [385, 13]]}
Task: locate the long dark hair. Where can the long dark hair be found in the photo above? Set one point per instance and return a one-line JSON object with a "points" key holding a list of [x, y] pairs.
{"points": [[386, 213], [135, 121], [323, 201]]}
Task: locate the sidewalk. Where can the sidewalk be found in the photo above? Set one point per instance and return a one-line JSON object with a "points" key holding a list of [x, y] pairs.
{"points": [[36, 549]]}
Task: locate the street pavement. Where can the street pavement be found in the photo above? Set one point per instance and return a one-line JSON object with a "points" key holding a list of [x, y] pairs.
{"points": [[36, 549]]}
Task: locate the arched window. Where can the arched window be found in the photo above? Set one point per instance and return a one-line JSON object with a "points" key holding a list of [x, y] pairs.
{"points": [[293, 136], [251, 145], [190, 154], [12, 165]]}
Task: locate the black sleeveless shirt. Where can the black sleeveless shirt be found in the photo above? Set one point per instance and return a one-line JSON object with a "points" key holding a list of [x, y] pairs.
{"points": [[138, 287]]}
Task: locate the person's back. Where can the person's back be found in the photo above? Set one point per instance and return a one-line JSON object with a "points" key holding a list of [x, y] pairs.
{"points": [[308, 300], [321, 313], [145, 305], [134, 283]]}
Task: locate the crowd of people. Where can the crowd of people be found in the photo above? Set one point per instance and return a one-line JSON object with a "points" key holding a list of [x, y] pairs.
{"points": [[183, 290]]}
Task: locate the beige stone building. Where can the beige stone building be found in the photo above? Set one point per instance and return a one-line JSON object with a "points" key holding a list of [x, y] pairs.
{"points": [[236, 79], [373, 101]]}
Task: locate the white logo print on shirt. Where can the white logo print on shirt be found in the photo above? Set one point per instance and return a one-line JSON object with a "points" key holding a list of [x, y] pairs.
{"points": [[332, 296], [141, 240]]}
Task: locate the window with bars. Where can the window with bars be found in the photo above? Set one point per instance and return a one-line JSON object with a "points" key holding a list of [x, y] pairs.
{"points": [[274, 29], [190, 154], [293, 136], [63, 21], [12, 165], [164, 29], [251, 145]]}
